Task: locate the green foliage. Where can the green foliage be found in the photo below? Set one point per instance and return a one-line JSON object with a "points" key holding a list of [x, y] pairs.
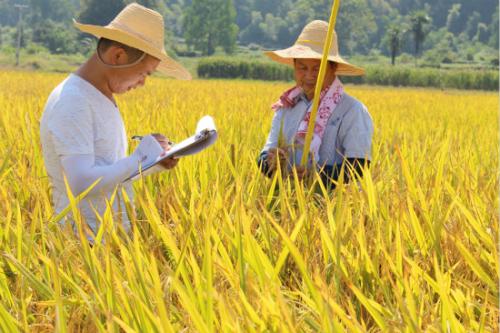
{"points": [[444, 47], [7, 36], [8, 13], [393, 39], [362, 25], [55, 10], [452, 22], [229, 32], [243, 69], [355, 26], [100, 12], [419, 20], [494, 27], [219, 67], [210, 23], [55, 37], [471, 26], [153, 4], [481, 33], [428, 77], [253, 29]]}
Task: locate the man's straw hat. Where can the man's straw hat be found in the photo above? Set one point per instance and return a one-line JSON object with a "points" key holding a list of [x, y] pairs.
{"points": [[310, 45], [141, 28]]}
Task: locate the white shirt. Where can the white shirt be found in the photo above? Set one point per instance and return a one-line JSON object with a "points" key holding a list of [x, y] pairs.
{"points": [[79, 120]]}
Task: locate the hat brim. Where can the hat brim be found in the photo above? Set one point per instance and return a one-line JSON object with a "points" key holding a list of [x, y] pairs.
{"points": [[286, 57], [167, 65]]}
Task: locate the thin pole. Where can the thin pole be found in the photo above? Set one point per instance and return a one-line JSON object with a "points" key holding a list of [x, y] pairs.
{"points": [[19, 31], [319, 82]]}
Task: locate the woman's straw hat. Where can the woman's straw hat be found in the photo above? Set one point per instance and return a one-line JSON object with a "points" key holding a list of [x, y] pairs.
{"points": [[310, 45], [141, 28]]}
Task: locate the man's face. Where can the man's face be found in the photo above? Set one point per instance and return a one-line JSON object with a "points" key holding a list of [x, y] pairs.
{"points": [[306, 74], [125, 79]]}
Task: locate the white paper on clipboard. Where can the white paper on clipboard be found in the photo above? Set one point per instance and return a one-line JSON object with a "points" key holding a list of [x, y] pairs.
{"points": [[204, 137]]}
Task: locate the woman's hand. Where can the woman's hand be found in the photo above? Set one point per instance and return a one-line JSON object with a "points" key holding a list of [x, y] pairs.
{"points": [[167, 163]]}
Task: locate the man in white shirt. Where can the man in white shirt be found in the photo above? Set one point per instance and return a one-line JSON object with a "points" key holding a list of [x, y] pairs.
{"points": [[82, 132]]}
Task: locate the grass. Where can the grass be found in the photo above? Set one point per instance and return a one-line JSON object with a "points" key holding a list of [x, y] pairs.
{"points": [[217, 247], [45, 62]]}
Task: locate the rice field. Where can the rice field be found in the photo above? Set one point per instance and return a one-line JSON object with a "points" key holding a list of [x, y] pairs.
{"points": [[217, 247]]}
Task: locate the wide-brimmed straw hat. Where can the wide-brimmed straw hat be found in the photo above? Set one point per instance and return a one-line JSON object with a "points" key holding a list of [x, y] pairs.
{"points": [[310, 45], [141, 28]]}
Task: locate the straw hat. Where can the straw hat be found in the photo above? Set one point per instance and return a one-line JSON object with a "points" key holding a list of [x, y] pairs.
{"points": [[310, 45], [141, 28]]}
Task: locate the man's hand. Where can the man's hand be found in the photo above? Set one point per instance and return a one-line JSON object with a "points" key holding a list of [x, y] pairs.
{"points": [[301, 172], [273, 155], [167, 163]]}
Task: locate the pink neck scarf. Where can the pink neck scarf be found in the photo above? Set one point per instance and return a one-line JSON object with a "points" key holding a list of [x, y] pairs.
{"points": [[329, 99]]}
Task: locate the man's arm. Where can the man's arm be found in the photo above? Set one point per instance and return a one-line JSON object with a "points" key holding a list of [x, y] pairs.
{"points": [[81, 171], [271, 143], [355, 136]]}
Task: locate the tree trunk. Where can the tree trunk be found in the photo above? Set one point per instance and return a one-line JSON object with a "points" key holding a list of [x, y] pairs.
{"points": [[416, 51], [210, 46]]}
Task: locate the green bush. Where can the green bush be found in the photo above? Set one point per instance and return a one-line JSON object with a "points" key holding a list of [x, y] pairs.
{"points": [[427, 77], [243, 69], [375, 75]]}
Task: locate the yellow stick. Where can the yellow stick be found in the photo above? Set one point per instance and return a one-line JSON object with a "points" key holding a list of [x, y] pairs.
{"points": [[319, 82]]}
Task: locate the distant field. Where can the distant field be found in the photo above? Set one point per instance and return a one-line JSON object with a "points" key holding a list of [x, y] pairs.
{"points": [[403, 74], [217, 247]]}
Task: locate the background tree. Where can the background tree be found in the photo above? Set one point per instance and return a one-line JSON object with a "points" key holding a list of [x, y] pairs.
{"points": [[55, 37], [481, 33], [210, 23], [393, 39], [243, 12], [494, 27], [152, 4], [453, 19], [471, 25], [229, 30], [255, 28], [419, 20], [267, 6], [173, 12], [8, 13], [355, 26], [54, 10], [100, 12], [362, 25]]}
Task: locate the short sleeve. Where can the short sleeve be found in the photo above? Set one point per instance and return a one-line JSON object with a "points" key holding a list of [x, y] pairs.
{"points": [[71, 126], [355, 133]]}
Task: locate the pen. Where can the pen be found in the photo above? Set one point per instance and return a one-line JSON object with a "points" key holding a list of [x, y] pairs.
{"points": [[139, 138]]}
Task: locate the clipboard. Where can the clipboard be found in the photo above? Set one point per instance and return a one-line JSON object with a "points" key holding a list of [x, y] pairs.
{"points": [[206, 135]]}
